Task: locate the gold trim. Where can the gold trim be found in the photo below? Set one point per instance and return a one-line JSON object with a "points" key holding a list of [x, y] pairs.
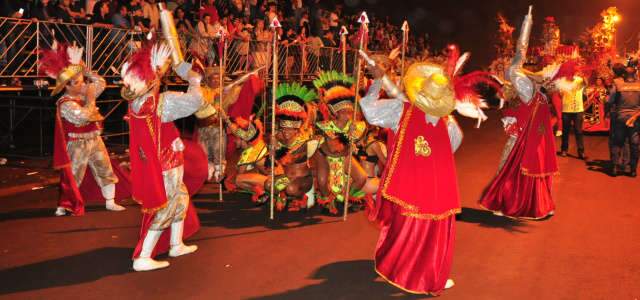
{"points": [[438, 217], [394, 162], [375, 267], [153, 209], [525, 172], [516, 218]]}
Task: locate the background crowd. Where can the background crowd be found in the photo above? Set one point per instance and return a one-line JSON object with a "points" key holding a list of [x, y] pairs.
{"points": [[314, 23]]}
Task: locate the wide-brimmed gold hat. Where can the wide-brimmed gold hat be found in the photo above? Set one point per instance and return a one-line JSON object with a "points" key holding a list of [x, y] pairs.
{"points": [[429, 88], [67, 74]]}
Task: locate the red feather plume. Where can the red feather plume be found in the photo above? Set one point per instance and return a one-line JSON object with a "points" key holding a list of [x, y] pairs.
{"points": [[53, 61], [466, 86], [140, 64], [567, 70], [452, 60]]}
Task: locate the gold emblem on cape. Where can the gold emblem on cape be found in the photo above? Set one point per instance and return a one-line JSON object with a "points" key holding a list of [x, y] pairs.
{"points": [[421, 147]]}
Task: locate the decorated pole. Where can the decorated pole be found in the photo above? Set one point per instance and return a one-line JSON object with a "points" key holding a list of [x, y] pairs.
{"points": [[275, 24], [362, 35], [405, 35], [343, 44], [222, 53]]}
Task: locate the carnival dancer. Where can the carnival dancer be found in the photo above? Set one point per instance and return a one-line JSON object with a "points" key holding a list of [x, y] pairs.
{"points": [[337, 96], [418, 198], [157, 158], [251, 166], [372, 152], [208, 125], [77, 141], [295, 145], [522, 187]]}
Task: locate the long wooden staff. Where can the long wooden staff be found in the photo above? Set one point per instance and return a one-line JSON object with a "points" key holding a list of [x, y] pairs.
{"points": [[343, 44], [405, 35], [222, 53], [275, 24], [363, 32]]}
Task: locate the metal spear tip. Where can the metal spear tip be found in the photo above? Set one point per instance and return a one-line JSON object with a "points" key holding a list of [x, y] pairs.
{"points": [[275, 23], [405, 26], [530, 9], [363, 19], [343, 31]]}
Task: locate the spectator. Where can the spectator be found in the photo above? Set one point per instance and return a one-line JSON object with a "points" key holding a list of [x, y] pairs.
{"points": [[10, 8], [205, 29], [62, 11], [329, 40], [181, 20], [237, 9], [136, 15], [119, 19], [43, 11], [271, 13], [101, 16], [209, 9], [151, 13]]}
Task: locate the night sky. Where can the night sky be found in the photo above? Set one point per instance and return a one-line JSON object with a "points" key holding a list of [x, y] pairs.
{"points": [[472, 23]]}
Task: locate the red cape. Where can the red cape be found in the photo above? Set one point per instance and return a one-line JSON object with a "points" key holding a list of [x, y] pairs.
{"points": [[425, 187], [243, 107], [146, 174], [73, 197]]}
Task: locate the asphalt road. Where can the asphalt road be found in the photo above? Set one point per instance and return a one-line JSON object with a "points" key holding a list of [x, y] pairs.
{"points": [[588, 250]]}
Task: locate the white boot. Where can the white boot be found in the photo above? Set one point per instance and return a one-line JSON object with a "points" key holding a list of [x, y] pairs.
{"points": [[144, 262], [113, 206], [218, 172], [210, 168], [178, 248], [449, 284], [60, 211], [109, 193]]}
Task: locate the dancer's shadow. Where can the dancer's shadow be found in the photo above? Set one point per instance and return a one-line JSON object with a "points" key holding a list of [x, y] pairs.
{"points": [[486, 218], [65, 271], [599, 165], [237, 211], [354, 279], [34, 213]]}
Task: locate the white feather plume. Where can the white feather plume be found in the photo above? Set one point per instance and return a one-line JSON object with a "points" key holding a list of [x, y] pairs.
{"points": [[159, 55], [460, 63], [75, 54]]}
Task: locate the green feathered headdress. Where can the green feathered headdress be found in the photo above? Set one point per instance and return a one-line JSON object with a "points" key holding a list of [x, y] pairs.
{"points": [[291, 100], [328, 79]]}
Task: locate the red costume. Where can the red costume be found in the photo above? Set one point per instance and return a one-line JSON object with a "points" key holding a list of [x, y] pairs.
{"points": [[77, 141], [522, 188], [158, 154], [419, 198]]}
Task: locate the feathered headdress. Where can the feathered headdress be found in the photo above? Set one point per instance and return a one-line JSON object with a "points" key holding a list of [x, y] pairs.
{"points": [[336, 91], [292, 102], [143, 68], [61, 63]]}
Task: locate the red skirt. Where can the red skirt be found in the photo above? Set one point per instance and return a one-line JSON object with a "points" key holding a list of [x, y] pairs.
{"points": [[516, 194], [414, 254]]}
